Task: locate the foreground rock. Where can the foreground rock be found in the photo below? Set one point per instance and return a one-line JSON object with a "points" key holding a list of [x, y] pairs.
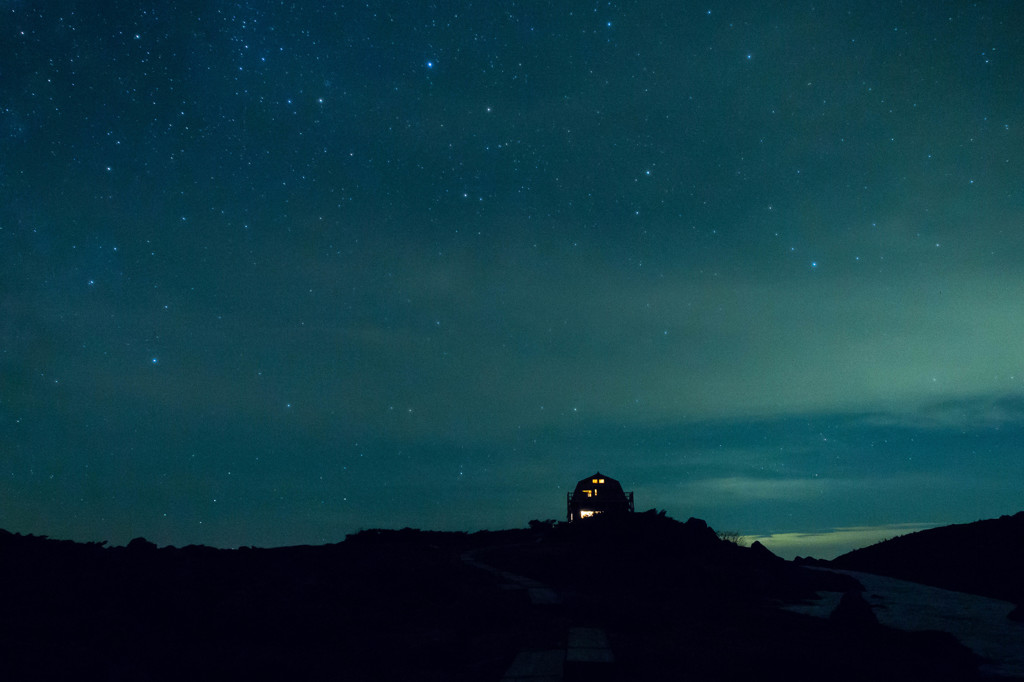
{"points": [[673, 600]]}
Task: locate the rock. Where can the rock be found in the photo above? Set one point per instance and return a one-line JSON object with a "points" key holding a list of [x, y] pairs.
{"points": [[854, 612], [763, 553], [696, 524], [141, 545]]}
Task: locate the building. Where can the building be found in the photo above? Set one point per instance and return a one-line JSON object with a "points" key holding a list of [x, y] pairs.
{"points": [[598, 494]]}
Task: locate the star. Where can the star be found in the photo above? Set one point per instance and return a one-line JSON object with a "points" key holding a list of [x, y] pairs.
{"points": [[271, 244]]}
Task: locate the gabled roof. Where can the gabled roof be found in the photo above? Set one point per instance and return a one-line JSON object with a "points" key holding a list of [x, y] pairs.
{"points": [[607, 483]]}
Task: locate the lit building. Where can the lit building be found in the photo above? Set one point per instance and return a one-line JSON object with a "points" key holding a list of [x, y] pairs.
{"points": [[598, 494]]}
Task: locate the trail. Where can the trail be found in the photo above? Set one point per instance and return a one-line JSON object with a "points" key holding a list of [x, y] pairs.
{"points": [[980, 623]]}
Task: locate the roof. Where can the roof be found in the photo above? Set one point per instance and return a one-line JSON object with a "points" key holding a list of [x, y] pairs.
{"points": [[609, 484]]}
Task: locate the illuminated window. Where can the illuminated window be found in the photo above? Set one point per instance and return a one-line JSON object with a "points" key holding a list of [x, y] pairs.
{"points": [[601, 481], [594, 480], [589, 493], [585, 513]]}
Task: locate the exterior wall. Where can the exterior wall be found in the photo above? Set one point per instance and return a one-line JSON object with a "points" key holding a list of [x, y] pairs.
{"points": [[597, 494]]}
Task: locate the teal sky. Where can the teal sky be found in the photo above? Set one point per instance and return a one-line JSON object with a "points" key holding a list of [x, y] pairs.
{"points": [[271, 275]]}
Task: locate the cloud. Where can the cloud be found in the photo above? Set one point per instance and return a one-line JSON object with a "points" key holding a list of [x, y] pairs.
{"points": [[830, 543], [696, 345], [750, 489], [478, 347]]}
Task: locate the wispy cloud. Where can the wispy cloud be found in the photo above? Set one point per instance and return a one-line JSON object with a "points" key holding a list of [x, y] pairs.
{"points": [[830, 543], [750, 489]]}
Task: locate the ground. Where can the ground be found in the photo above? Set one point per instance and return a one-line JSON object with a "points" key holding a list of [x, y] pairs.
{"points": [[673, 599]]}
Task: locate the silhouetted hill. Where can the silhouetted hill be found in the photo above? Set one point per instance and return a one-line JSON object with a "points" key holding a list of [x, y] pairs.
{"points": [[984, 557], [675, 601]]}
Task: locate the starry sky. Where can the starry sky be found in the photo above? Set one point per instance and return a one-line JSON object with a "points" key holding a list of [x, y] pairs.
{"points": [[275, 272]]}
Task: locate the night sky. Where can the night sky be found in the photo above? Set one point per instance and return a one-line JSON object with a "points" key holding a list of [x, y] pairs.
{"points": [[272, 272]]}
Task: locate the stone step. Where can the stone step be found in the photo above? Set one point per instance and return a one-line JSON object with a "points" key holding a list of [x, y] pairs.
{"points": [[588, 645], [536, 666], [588, 656]]}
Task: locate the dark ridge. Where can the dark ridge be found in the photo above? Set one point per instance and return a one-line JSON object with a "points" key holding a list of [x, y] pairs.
{"points": [[675, 601], [984, 558]]}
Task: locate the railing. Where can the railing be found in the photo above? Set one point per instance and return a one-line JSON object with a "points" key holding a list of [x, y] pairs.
{"points": [[568, 504]]}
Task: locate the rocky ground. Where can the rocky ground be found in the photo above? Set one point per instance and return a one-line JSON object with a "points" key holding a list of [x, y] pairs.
{"points": [[670, 599]]}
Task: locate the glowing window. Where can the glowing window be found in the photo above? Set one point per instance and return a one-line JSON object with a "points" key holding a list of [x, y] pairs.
{"points": [[594, 480], [601, 481], [585, 513]]}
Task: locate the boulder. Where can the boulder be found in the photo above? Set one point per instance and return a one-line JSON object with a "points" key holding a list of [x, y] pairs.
{"points": [[854, 612]]}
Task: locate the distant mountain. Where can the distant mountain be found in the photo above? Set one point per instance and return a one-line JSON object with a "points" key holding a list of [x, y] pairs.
{"points": [[984, 557]]}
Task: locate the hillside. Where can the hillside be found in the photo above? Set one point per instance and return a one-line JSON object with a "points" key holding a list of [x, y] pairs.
{"points": [[984, 557], [674, 600]]}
